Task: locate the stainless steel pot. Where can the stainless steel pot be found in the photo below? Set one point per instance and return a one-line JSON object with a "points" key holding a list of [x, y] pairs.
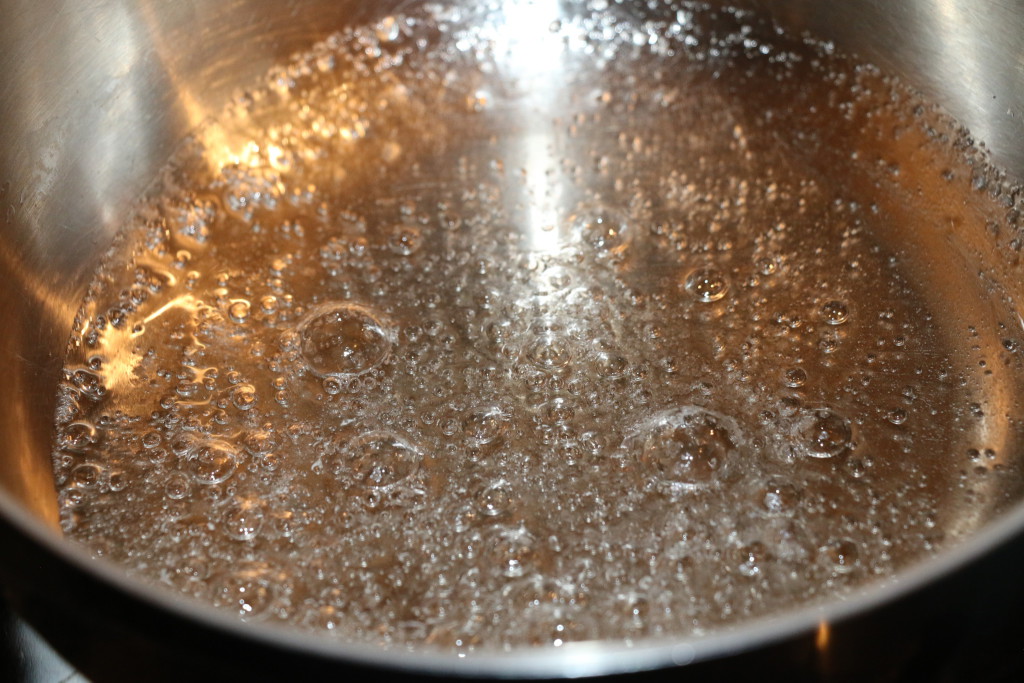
{"points": [[94, 97]]}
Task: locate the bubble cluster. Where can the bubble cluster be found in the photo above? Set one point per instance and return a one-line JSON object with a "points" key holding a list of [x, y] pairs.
{"points": [[444, 338]]}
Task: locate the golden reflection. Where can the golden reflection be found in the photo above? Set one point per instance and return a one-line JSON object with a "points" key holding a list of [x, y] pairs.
{"points": [[823, 637], [221, 147], [121, 363], [28, 474], [185, 301]]}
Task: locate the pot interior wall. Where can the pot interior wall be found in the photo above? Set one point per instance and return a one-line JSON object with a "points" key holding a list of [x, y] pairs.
{"points": [[94, 101]]}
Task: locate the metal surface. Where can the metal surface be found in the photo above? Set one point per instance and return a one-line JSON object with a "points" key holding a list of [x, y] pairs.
{"points": [[968, 56], [94, 97]]}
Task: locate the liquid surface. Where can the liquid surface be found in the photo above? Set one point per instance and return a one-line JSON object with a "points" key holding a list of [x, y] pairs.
{"points": [[479, 332]]}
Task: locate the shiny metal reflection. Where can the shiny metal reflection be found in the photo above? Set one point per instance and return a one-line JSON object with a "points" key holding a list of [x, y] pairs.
{"points": [[967, 56]]}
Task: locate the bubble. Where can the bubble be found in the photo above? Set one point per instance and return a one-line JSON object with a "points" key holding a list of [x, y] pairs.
{"points": [[896, 416], [260, 442], [499, 333], [193, 568], [552, 628], [388, 29], [858, 467], [767, 265], [324, 617], [117, 480], [495, 499], [287, 523], [835, 313], [380, 459], [601, 229], [343, 340], [89, 384], [151, 439], [243, 519], [824, 433], [751, 558], [479, 101], [405, 240], [511, 549], [707, 284], [159, 455], [780, 498], [611, 365], [268, 304], [78, 435], [243, 396], [688, 446], [794, 378], [485, 425], [449, 426], [86, 476], [559, 278], [842, 555], [250, 590], [269, 461], [71, 498], [559, 410], [239, 311], [289, 341], [213, 463], [177, 485], [828, 345], [549, 353]]}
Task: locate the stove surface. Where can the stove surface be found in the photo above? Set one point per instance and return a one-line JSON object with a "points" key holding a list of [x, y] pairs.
{"points": [[997, 656], [26, 658]]}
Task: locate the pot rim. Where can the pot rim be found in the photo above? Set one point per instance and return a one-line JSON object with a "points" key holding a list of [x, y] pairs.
{"points": [[587, 658]]}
